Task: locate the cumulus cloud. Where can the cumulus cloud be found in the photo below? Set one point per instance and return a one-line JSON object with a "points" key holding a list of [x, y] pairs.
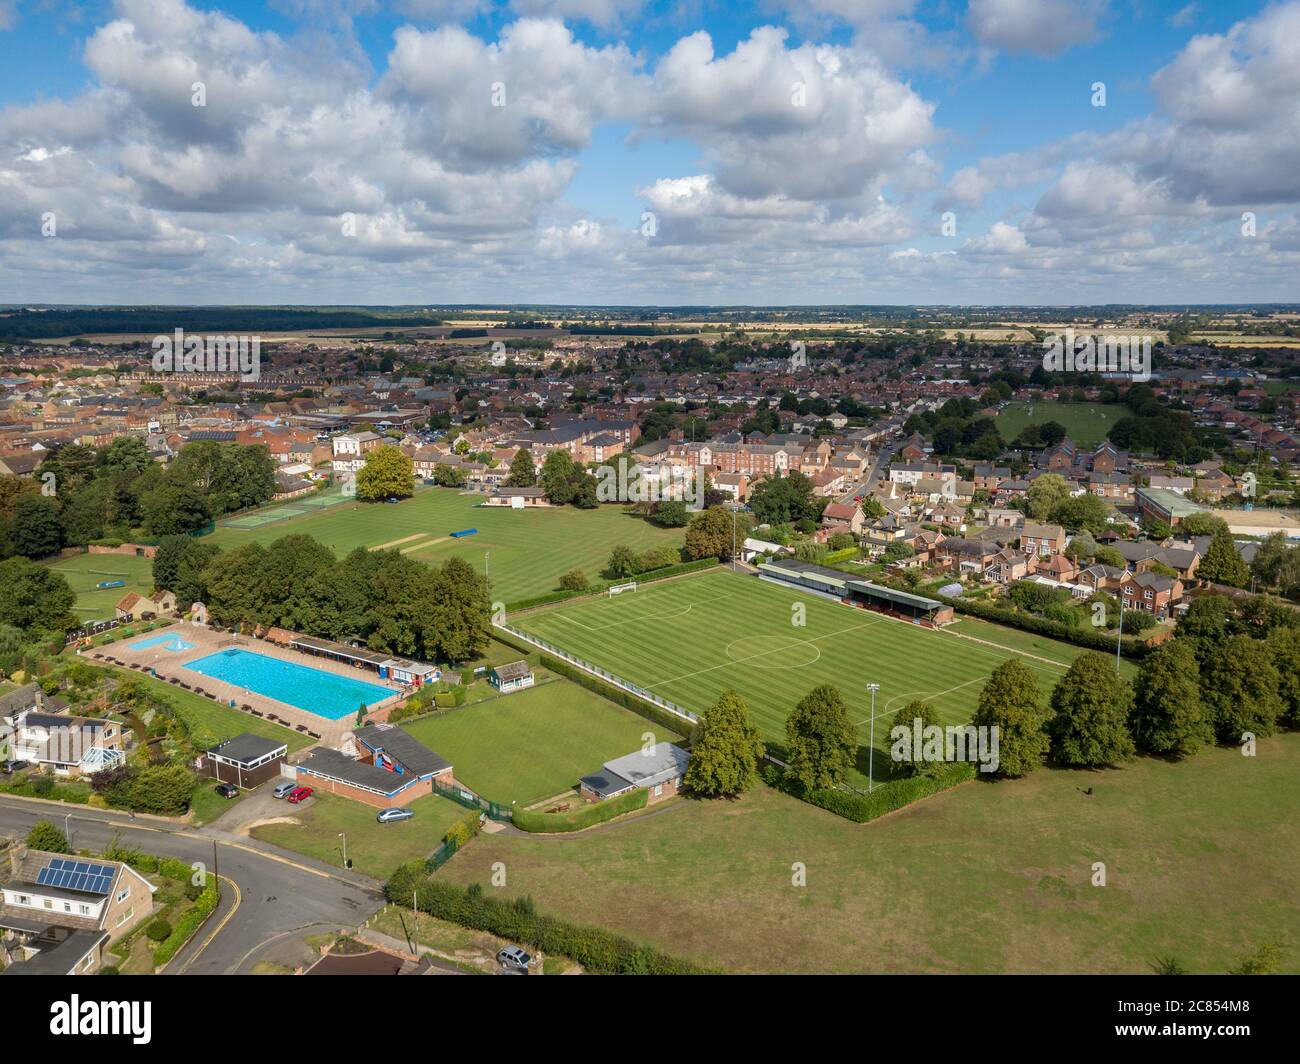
{"points": [[1039, 27]]}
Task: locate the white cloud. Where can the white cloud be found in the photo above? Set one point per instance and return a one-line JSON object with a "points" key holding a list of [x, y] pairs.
{"points": [[1040, 27]]}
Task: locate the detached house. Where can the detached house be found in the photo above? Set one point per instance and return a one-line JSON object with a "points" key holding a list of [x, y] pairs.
{"points": [[1151, 592], [1043, 540], [134, 607], [58, 912]]}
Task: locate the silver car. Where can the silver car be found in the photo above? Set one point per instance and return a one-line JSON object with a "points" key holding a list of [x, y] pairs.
{"points": [[513, 959], [389, 815], [284, 787]]}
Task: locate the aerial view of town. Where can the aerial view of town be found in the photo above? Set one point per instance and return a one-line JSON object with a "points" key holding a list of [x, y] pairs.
{"points": [[630, 488]]}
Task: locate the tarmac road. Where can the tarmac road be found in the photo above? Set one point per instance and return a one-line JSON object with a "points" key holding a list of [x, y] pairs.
{"points": [[267, 896]]}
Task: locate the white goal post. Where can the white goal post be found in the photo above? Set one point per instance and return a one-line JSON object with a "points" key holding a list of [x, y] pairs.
{"points": [[619, 588]]}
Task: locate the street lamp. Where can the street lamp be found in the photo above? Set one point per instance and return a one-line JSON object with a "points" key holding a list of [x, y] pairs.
{"points": [[67, 829], [871, 748], [344, 836]]}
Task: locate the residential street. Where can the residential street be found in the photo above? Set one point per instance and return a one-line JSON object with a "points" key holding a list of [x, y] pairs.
{"points": [[276, 896]]}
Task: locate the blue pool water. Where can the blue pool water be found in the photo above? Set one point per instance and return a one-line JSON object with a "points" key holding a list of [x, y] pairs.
{"points": [[167, 642], [326, 694]]}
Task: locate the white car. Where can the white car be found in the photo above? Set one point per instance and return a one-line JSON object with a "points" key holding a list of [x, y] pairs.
{"points": [[284, 788], [389, 815]]}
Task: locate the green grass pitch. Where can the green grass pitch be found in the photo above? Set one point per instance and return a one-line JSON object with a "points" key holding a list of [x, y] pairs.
{"points": [[84, 571], [688, 640], [1086, 423], [528, 550], [536, 743]]}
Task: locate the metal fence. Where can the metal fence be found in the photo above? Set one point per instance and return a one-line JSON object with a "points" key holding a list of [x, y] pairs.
{"points": [[441, 855], [604, 674], [470, 800]]}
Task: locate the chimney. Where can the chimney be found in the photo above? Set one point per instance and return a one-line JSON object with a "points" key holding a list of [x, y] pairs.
{"points": [[17, 851]]}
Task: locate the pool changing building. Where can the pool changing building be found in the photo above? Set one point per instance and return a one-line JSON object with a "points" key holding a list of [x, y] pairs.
{"points": [[862, 593]]}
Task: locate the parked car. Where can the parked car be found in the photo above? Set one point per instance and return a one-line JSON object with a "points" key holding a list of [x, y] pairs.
{"points": [[8, 767], [227, 790], [284, 788], [513, 959], [300, 794], [389, 815]]}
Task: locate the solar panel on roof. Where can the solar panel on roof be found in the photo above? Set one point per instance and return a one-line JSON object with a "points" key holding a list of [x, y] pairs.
{"points": [[82, 876]]}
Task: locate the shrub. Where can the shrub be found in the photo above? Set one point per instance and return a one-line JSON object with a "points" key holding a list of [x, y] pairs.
{"points": [[158, 929], [189, 923], [588, 815], [598, 951], [885, 798], [45, 836], [463, 830]]}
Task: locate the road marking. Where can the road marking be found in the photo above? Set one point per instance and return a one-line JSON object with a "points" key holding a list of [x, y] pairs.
{"points": [[239, 897]]}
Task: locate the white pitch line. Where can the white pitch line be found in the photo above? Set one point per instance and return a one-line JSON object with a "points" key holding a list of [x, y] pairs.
{"points": [[762, 654]]}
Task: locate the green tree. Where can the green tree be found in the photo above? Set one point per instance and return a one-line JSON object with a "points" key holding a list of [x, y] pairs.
{"points": [[672, 514], [724, 750], [37, 530], [1265, 960], [1284, 646], [1202, 524], [1010, 702], [46, 836], [1090, 708], [34, 597], [557, 477], [1266, 566], [1169, 716], [623, 563], [388, 472], [1222, 564], [906, 719], [710, 533], [574, 580], [1044, 494], [1239, 683], [821, 743], [459, 622], [1205, 624], [522, 472], [780, 500], [446, 476]]}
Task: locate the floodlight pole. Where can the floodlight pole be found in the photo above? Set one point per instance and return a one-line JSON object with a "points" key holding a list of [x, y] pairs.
{"points": [[871, 748], [733, 539], [1119, 639], [486, 555]]}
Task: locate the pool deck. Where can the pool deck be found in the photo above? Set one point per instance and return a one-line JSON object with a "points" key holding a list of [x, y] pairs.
{"points": [[169, 666]]}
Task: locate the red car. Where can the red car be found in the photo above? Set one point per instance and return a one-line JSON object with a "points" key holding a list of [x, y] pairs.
{"points": [[300, 795]]}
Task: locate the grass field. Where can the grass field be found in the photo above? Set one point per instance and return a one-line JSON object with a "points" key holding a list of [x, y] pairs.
{"points": [[212, 718], [375, 849], [529, 549], [536, 743], [1200, 861], [84, 571], [1086, 423], [688, 640]]}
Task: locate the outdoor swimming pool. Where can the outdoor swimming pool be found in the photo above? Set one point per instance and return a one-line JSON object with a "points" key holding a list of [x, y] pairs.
{"points": [[166, 641], [325, 694]]}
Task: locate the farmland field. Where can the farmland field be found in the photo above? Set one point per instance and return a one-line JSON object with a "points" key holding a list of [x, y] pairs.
{"points": [[688, 640], [535, 743], [1086, 423], [987, 877], [528, 550], [84, 571]]}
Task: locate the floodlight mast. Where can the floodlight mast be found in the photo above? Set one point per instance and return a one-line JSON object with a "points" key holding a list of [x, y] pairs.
{"points": [[871, 748]]}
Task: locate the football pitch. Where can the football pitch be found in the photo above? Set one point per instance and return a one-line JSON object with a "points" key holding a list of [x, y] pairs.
{"points": [[690, 639], [524, 551]]}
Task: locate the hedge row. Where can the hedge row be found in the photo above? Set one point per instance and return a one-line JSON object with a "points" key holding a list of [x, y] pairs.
{"points": [[54, 792], [641, 578], [593, 813], [188, 924], [883, 799], [847, 554], [1029, 622], [463, 829], [600, 952], [617, 695]]}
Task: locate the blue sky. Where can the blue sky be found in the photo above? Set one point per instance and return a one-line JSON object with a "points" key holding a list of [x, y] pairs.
{"points": [[347, 151]]}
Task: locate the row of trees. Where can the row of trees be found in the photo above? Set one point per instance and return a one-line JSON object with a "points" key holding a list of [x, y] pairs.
{"points": [[81, 494], [1225, 677], [390, 601]]}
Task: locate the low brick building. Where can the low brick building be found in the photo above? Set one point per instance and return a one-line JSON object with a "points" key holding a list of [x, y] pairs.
{"points": [[659, 770], [391, 768], [246, 760]]}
